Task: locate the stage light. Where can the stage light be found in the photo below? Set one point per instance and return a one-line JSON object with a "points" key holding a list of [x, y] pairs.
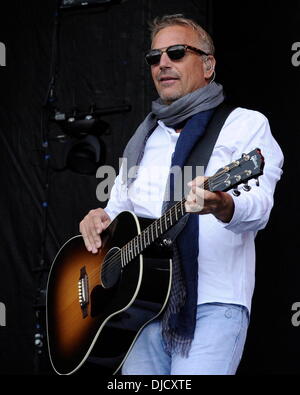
{"points": [[75, 143], [80, 125], [84, 155]]}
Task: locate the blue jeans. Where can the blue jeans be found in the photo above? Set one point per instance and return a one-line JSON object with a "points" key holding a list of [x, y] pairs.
{"points": [[217, 348]]}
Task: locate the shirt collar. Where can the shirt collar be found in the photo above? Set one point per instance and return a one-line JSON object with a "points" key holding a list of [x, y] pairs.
{"points": [[166, 128]]}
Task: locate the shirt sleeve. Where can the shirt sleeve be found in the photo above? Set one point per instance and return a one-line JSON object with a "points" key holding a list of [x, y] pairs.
{"points": [[118, 200], [252, 209]]}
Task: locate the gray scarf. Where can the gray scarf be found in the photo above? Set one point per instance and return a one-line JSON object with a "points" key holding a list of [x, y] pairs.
{"points": [[200, 100]]}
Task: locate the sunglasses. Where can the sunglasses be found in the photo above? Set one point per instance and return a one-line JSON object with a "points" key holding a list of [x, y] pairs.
{"points": [[174, 52]]}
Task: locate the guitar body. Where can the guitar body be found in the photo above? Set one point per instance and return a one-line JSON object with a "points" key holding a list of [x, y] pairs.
{"points": [[96, 304]]}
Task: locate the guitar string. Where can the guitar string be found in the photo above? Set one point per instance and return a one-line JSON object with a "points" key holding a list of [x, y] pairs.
{"points": [[115, 259], [173, 211]]}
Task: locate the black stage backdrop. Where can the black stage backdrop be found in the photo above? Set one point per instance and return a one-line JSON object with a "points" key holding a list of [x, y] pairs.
{"points": [[95, 55]]}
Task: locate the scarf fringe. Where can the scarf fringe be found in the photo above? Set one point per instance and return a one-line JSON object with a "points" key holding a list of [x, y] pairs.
{"points": [[173, 343]]}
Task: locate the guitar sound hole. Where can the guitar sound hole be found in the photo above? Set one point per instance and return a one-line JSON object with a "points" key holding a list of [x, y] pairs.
{"points": [[111, 269]]}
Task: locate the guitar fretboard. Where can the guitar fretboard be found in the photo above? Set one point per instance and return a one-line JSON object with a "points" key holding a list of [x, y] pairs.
{"points": [[137, 245]]}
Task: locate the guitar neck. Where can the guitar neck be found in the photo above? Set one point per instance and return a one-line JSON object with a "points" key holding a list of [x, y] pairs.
{"points": [[153, 232], [157, 229]]}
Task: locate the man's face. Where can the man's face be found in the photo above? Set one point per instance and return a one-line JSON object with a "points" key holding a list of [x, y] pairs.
{"points": [[175, 79]]}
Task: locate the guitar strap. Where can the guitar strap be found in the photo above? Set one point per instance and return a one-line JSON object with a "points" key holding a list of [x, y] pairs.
{"points": [[201, 154]]}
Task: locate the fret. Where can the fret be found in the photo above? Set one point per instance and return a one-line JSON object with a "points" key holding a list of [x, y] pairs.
{"points": [[130, 251], [148, 234], [160, 226], [152, 234], [122, 261], [182, 208], [176, 216], [126, 254], [166, 221], [171, 222], [156, 229], [141, 244], [137, 245], [145, 237], [133, 247], [124, 258], [155, 234], [163, 224], [179, 211]]}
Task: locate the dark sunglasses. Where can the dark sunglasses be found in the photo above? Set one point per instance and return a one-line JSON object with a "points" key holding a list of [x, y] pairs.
{"points": [[174, 52]]}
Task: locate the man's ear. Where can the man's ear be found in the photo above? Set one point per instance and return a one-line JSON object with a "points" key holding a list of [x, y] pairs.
{"points": [[209, 67]]}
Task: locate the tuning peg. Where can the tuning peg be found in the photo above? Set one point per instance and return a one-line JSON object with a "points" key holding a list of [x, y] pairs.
{"points": [[257, 182], [236, 193], [246, 187], [246, 157]]}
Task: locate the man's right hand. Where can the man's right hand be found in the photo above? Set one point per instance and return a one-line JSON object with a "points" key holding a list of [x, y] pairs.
{"points": [[92, 226]]}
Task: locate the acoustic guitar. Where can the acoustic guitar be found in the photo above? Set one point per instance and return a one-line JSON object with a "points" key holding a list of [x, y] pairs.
{"points": [[98, 304]]}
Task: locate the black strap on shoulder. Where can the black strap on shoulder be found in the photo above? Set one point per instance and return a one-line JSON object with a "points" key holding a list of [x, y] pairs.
{"points": [[202, 152]]}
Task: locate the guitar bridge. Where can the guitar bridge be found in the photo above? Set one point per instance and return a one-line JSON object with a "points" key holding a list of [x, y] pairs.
{"points": [[83, 292]]}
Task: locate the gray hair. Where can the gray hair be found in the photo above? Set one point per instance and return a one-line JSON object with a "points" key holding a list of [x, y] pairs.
{"points": [[160, 23]]}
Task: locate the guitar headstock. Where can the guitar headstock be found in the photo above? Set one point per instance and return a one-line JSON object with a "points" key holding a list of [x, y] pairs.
{"points": [[249, 166]]}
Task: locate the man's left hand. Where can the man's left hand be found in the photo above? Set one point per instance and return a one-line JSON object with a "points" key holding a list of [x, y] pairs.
{"points": [[202, 202]]}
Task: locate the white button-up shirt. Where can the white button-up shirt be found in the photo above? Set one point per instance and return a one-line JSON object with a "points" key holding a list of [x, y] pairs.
{"points": [[226, 251]]}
